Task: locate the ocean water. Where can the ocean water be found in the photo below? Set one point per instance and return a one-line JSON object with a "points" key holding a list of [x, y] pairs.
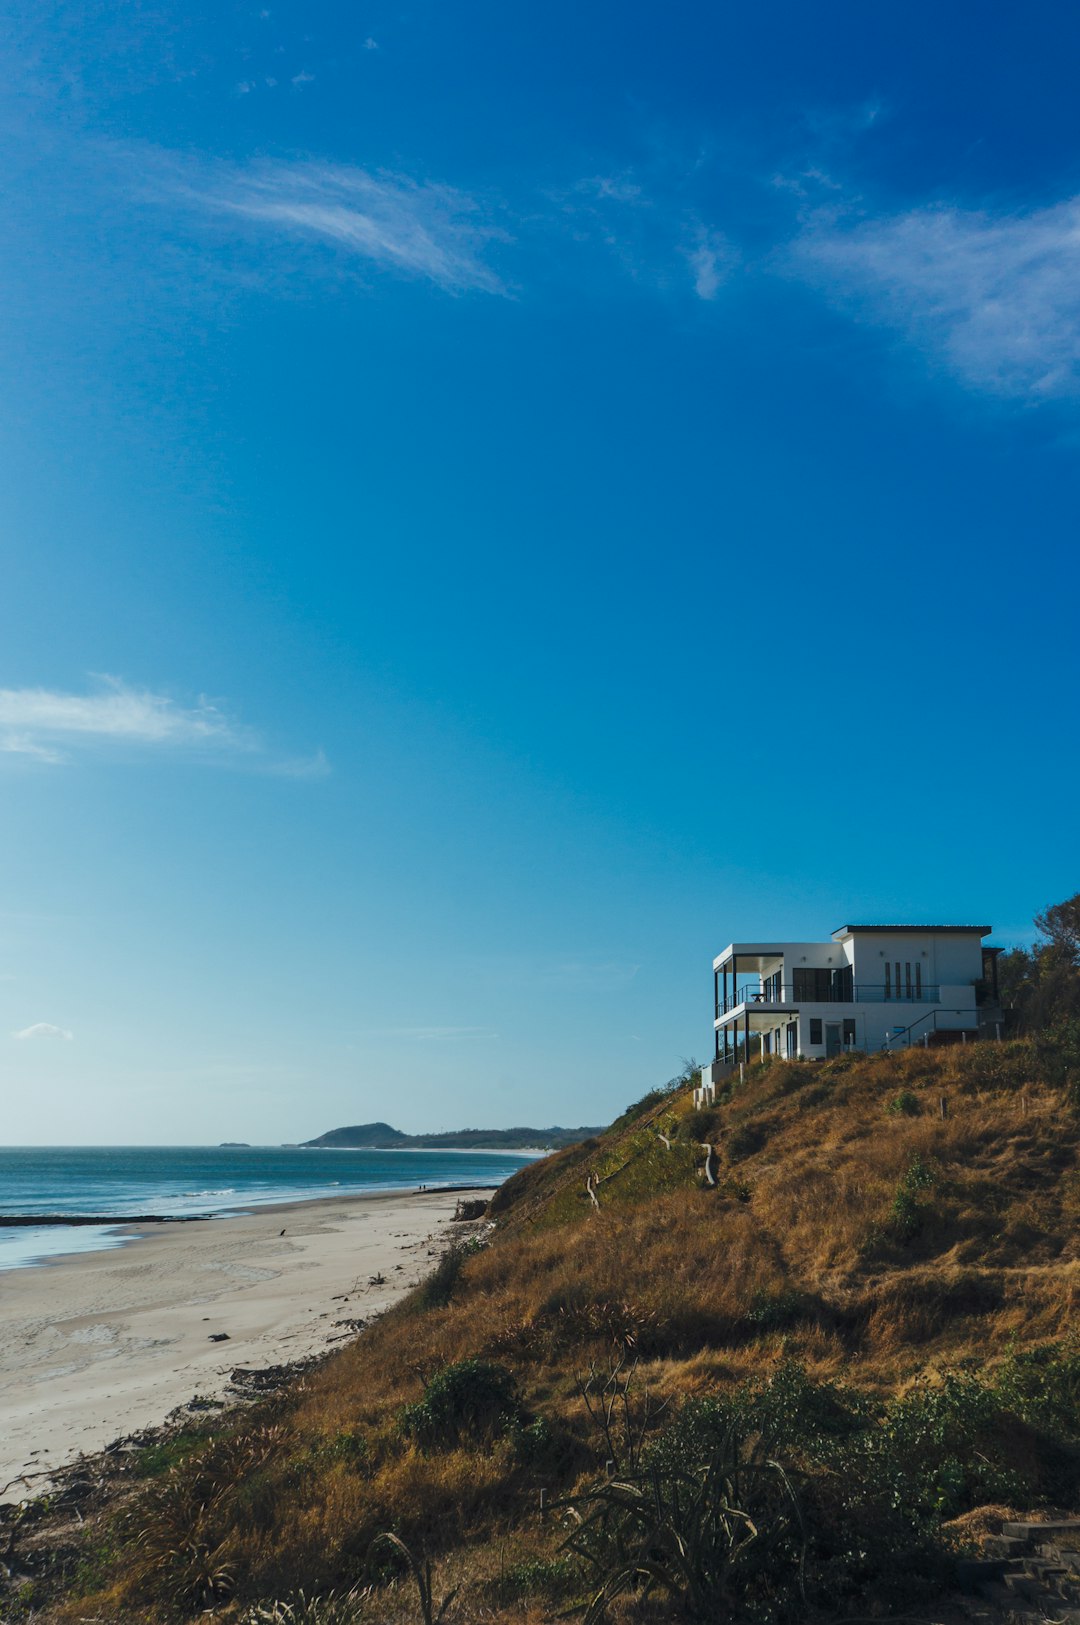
{"points": [[180, 1180]]}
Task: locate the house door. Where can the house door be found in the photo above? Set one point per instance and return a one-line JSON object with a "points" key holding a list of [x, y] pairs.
{"points": [[832, 1038]]}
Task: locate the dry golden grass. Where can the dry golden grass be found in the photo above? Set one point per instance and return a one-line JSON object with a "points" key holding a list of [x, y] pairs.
{"points": [[685, 1277]]}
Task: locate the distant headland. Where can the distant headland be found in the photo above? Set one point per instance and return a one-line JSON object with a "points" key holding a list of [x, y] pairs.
{"points": [[383, 1137]]}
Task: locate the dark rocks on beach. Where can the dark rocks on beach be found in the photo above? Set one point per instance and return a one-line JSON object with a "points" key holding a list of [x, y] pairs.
{"points": [[467, 1210], [218, 1337]]}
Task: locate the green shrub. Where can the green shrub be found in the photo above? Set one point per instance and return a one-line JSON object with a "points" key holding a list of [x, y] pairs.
{"points": [[882, 1477], [905, 1104], [907, 1214], [993, 1066], [155, 1459], [346, 1446], [1042, 1386], [437, 1291], [474, 1399], [744, 1141], [700, 1126], [553, 1575], [722, 1538], [777, 1311]]}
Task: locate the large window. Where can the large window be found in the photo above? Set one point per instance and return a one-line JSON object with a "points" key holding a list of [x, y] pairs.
{"points": [[815, 1029], [918, 980], [812, 985], [888, 981], [849, 1031]]}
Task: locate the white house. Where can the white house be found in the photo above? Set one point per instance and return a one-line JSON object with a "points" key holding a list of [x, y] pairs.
{"points": [[868, 987]]}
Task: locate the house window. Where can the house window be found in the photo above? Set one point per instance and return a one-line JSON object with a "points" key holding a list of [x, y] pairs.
{"points": [[918, 980], [899, 995], [849, 1031], [907, 977], [793, 1039], [815, 1029], [888, 981], [812, 985]]}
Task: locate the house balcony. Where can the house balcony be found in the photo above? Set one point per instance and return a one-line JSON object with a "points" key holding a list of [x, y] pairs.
{"points": [[781, 997]]}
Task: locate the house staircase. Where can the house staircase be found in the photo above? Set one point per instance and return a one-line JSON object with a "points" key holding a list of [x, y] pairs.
{"points": [[1028, 1575]]}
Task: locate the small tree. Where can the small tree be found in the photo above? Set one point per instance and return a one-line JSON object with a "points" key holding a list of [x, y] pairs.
{"points": [[1041, 984], [1060, 925]]}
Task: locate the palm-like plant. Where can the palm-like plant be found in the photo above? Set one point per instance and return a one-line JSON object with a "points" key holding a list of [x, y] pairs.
{"points": [[725, 1537], [423, 1574]]}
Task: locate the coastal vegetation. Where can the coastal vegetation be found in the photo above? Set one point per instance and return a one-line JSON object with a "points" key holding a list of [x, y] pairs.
{"points": [[781, 1358]]}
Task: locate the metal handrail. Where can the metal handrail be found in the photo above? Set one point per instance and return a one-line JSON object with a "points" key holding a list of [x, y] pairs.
{"points": [[860, 993], [907, 1037]]}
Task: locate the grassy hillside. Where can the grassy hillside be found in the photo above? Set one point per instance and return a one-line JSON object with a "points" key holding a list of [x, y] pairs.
{"points": [[781, 1393]]}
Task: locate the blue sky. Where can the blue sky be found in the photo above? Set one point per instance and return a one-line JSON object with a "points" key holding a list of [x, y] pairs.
{"points": [[497, 503]]}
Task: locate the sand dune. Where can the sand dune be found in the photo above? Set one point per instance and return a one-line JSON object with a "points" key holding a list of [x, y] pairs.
{"points": [[97, 1345]]}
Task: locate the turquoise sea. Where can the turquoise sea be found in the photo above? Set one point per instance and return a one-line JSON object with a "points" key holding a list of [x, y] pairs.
{"points": [[177, 1181]]}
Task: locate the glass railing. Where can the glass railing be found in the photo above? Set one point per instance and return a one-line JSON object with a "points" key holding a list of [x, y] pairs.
{"points": [[859, 993]]}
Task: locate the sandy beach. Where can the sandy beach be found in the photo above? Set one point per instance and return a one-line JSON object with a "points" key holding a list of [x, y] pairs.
{"points": [[97, 1345]]}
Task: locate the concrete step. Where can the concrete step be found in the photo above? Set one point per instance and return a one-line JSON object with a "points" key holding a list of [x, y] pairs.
{"points": [[1061, 1554], [1027, 1530], [1032, 1606], [1006, 1545], [972, 1572]]}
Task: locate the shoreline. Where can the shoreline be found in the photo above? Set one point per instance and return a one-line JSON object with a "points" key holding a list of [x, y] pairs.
{"points": [[105, 1343], [118, 1230], [117, 1221]]}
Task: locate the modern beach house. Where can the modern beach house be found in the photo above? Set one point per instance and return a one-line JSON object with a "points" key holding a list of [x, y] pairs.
{"points": [[867, 987]]}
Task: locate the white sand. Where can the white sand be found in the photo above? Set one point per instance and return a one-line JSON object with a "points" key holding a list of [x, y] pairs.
{"points": [[98, 1345]]}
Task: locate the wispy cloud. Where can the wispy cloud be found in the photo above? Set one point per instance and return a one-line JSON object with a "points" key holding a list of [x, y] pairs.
{"points": [[48, 725], [997, 296], [44, 1029], [434, 1032], [422, 229], [315, 766], [711, 258], [116, 711], [595, 974]]}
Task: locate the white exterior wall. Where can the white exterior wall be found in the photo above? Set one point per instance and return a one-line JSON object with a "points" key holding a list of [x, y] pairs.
{"points": [[950, 961], [947, 957], [875, 1024]]}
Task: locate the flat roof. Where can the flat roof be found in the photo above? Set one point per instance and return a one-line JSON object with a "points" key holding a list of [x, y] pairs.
{"points": [[762, 950], [969, 930]]}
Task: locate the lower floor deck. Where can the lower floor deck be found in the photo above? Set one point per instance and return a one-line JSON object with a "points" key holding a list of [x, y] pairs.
{"points": [[819, 1032]]}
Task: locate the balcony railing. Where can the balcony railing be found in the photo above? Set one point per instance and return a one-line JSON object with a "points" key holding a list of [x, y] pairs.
{"points": [[860, 993]]}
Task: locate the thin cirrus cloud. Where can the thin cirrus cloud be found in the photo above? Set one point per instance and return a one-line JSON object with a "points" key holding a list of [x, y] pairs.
{"points": [[712, 259], [44, 1029], [51, 726], [439, 1034], [995, 296], [420, 229]]}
